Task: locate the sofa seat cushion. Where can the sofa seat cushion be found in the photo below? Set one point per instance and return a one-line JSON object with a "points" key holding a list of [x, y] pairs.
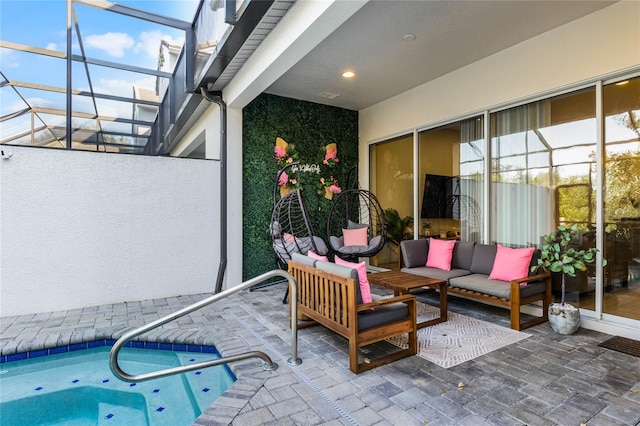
{"points": [[382, 315], [482, 284], [435, 272]]}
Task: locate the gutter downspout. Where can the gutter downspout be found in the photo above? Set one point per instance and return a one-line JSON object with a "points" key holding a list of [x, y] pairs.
{"points": [[216, 97]]}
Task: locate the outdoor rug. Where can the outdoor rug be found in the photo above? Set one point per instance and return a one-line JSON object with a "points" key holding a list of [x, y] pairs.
{"points": [[459, 339], [622, 344]]}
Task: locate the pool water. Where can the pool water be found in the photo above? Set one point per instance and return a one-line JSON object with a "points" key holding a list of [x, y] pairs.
{"points": [[78, 388]]}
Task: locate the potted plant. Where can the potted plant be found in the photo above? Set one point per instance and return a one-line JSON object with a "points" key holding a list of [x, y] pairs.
{"points": [[558, 256]]}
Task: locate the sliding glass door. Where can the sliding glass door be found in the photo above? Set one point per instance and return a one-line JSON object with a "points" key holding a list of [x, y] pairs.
{"points": [[543, 158], [451, 173], [621, 106], [391, 180]]}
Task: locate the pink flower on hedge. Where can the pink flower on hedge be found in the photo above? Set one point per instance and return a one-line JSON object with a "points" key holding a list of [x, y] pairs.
{"points": [[280, 152], [335, 189], [283, 180], [331, 156]]}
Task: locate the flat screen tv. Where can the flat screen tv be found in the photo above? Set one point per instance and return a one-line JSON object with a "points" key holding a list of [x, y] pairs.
{"points": [[440, 196]]}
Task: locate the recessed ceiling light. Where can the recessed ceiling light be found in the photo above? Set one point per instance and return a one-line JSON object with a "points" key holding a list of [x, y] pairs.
{"points": [[622, 83], [348, 74], [409, 37]]}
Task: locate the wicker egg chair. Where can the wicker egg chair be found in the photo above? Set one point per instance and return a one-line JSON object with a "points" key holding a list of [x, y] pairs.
{"points": [[351, 212]]}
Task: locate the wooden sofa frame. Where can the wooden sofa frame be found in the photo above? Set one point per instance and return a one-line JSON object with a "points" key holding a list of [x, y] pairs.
{"points": [[514, 303], [330, 300]]}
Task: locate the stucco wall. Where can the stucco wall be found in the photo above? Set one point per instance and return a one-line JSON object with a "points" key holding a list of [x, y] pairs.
{"points": [[81, 228], [599, 44]]}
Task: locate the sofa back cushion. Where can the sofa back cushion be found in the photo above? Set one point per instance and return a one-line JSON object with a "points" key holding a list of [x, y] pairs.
{"points": [[305, 260], [483, 257], [345, 272], [462, 255], [414, 252]]}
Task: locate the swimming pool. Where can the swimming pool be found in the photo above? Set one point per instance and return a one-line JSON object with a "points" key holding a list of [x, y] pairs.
{"points": [[78, 388]]}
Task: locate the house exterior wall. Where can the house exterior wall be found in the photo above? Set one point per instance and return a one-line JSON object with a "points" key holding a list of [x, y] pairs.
{"points": [[79, 229], [596, 45], [605, 44]]}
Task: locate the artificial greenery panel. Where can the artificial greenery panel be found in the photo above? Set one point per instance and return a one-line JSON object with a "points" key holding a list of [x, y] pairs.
{"points": [[310, 127]]}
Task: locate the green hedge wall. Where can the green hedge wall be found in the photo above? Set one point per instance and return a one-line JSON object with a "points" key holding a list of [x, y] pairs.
{"points": [[310, 127]]}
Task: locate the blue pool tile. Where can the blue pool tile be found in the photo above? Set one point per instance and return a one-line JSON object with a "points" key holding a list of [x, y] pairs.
{"points": [[194, 348], [192, 360], [179, 347], [78, 347], [59, 350], [16, 357], [108, 416], [209, 349], [132, 385], [206, 390], [38, 353], [105, 381], [198, 373], [156, 390], [96, 344], [165, 346], [75, 381], [39, 388], [151, 345], [109, 342], [160, 409], [137, 344]]}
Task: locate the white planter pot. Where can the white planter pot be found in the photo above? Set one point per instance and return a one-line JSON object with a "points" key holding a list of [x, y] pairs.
{"points": [[564, 319]]}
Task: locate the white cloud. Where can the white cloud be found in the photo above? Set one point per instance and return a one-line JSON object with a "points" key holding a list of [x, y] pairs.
{"points": [[52, 46], [149, 42], [123, 87], [8, 59], [114, 44]]}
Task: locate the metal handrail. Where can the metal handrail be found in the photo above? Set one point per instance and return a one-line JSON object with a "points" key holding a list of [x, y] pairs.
{"points": [[268, 364]]}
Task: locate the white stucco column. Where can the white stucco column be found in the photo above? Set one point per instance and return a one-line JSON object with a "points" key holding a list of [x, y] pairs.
{"points": [[234, 198]]}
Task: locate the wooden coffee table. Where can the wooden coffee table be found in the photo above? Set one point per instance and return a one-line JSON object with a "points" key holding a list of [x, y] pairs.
{"points": [[403, 283]]}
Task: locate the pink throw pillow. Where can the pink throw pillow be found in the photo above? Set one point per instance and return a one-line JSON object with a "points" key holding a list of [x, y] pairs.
{"points": [[365, 288], [288, 238], [355, 237], [313, 255], [440, 254], [511, 264]]}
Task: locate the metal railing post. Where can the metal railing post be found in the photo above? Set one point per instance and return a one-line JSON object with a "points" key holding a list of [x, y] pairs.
{"points": [[268, 363]]}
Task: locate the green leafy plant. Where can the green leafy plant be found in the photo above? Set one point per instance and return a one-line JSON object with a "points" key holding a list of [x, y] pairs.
{"points": [[557, 255], [396, 226]]}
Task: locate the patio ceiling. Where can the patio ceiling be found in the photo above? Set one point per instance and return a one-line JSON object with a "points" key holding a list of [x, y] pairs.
{"points": [[448, 35]]}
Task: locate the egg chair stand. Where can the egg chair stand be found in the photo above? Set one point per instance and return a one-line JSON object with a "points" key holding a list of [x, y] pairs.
{"points": [[351, 210]]}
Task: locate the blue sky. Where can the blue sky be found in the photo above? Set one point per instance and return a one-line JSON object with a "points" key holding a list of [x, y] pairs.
{"points": [[105, 35]]}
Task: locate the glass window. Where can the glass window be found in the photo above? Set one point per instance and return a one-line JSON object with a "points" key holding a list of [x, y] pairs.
{"points": [[452, 172], [543, 174], [391, 180], [621, 104]]}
